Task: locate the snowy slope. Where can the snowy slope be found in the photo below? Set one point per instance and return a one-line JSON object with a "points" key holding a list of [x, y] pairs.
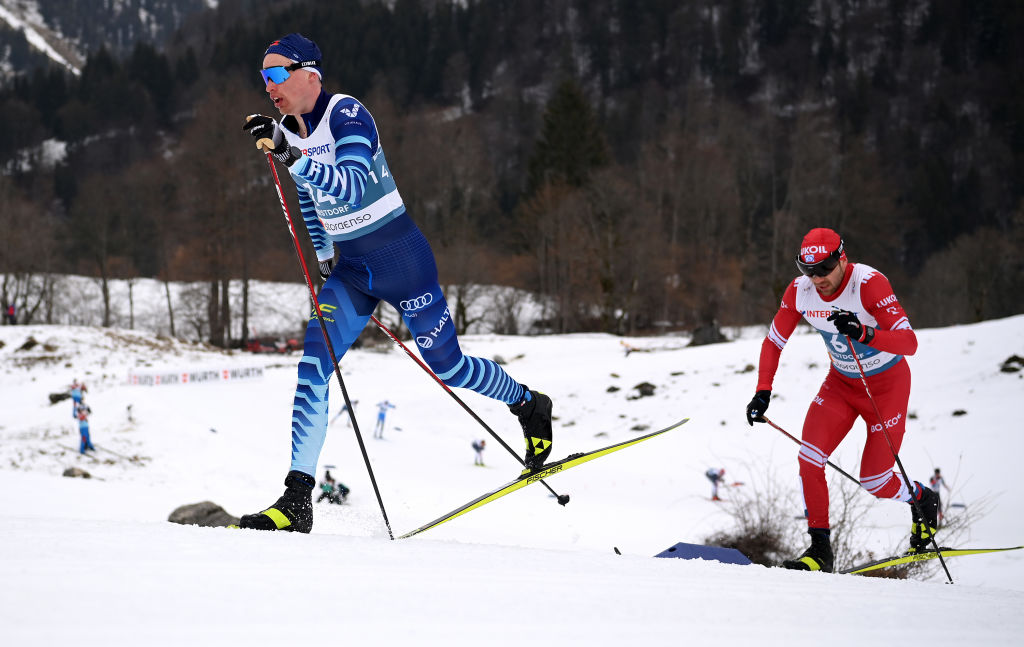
{"points": [[95, 561], [24, 16]]}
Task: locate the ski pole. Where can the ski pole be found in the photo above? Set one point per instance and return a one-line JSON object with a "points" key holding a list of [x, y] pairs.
{"points": [[800, 442], [327, 340], [561, 498], [895, 455]]}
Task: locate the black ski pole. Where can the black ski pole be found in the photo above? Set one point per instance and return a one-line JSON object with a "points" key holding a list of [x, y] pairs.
{"points": [[895, 454], [327, 340], [561, 498], [800, 442]]}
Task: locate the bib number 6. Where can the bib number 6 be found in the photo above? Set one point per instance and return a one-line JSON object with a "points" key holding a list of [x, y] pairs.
{"points": [[838, 344]]}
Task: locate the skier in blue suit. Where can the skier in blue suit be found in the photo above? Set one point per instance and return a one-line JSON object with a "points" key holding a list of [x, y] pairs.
{"points": [[82, 412], [382, 412], [368, 249], [77, 391]]}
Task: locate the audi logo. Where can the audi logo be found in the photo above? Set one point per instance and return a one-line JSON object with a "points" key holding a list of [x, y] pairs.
{"points": [[424, 341], [420, 302]]}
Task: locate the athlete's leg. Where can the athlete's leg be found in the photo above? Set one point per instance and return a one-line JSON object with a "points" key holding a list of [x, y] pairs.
{"points": [[345, 311], [433, 330], [829, 419], [404, 274], [891, 392]]}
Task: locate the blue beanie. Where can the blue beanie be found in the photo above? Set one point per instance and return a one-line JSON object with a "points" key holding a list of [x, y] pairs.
{"points": [[300, 49]]}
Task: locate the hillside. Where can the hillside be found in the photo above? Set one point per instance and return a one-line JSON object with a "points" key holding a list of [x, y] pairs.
{"points": [[99, 555]]}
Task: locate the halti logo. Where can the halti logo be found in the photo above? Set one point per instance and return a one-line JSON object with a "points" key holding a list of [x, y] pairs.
{"points": [[427, 341], [350, 112]]}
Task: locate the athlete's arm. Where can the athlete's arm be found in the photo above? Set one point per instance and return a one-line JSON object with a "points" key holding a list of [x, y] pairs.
{"points": [[783, 325], [893, 333], [355, 136]]}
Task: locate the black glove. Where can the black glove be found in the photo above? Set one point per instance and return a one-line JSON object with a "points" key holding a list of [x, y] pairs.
{"points": [[758, 405], [847, 324], [270, 139], [325, 269]]}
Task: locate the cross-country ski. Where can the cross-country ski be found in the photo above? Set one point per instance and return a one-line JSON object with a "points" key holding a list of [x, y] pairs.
{"points": [[913, 558], [535, 476]]}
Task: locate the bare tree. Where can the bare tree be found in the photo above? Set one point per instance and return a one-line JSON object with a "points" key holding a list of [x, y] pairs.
{"points": [[27, 257], [216, 169]]}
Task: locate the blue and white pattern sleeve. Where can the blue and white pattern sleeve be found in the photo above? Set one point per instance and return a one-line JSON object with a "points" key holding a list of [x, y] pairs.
{"points": [[355, 139], [321, 242]]}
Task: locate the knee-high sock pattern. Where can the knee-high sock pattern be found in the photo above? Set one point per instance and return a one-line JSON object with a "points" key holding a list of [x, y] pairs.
{"points": [[485, 377], [309, 413]]}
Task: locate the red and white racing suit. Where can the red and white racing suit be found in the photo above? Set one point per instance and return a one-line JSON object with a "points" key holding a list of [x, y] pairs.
{"points": [[842, 398]]}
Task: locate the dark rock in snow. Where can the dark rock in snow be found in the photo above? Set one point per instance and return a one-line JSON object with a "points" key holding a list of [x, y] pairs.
{"points": [[29, 344], [645, 389], [207, 514], [708, 334], [1012, 364]]}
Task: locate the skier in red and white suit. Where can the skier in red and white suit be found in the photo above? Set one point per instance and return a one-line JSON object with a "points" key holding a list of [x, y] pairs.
{"points": [[845, 302]]}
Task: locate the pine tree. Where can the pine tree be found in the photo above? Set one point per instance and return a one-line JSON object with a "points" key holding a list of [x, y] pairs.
{"points": [[571, 144]]}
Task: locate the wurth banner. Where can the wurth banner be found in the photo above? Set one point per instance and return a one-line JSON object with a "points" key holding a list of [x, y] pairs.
{"points": [[195, 376]]}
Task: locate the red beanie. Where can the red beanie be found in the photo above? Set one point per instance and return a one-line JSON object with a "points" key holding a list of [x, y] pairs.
{"points": [[818, 244]]}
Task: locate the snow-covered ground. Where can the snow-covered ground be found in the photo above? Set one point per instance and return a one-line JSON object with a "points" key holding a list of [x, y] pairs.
{"points": [[96, 562]]}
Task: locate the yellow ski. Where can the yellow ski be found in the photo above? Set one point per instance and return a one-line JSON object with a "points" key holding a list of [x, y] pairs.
{"points": [[544, 472], [920, 557]]}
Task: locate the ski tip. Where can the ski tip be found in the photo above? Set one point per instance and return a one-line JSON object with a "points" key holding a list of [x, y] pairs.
{"points": [[616, 549], [563, 499]]}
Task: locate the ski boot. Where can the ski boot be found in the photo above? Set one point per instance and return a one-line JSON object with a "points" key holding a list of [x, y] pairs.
{"points": [[534, 413], [816, 558], [292, 512], [923, 529]]}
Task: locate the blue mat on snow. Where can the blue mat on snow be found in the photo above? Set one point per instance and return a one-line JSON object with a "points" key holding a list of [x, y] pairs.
{"points": [[699, 551]]}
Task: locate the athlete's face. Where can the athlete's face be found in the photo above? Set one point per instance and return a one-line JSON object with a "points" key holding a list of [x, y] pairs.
{"points": [[828, 284], [297, 94]]}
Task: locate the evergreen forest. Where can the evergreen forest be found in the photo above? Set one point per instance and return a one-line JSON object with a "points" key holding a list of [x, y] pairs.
{"points": [[645, 166]]}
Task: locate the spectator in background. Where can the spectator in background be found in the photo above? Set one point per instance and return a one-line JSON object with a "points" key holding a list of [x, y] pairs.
{"points": [[478, 447]]}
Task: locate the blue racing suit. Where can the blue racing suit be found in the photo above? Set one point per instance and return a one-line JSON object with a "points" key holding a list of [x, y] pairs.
{"points": [[353, 211]]}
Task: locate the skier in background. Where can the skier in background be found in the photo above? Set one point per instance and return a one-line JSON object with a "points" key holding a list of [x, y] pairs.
{"points": [[936, 482], [843, 302], [353, 212], [77, 391], [382, 412], [478, 447], [344, 410], [82, 412], [715, 475]]}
